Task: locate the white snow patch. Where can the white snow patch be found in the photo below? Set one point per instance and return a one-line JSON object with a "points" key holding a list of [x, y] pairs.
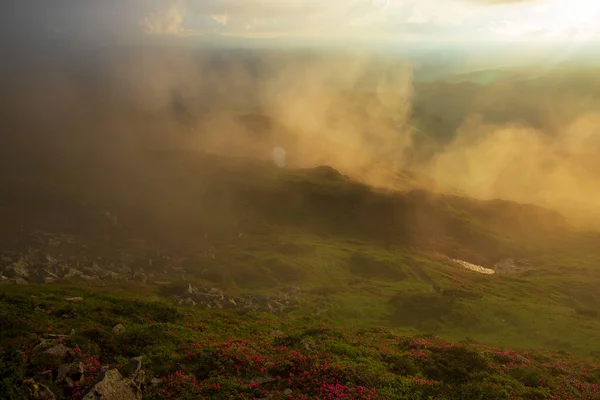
{"points": [[474, 267]]}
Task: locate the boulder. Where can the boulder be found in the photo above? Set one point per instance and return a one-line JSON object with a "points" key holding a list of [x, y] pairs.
{"points": [[74, 299], [17, 270], [118, 329], [155, 381], [109, 276], [89, 277], [54, 336], [43, 376], [73, 371], [112, 386], [139, 378], [42, 343], [293, 291], [278, 334], [189, 290], [73, 273], [135, 364], [140, 276], [189, 302], [216, 292], [48, 274], [57, 355], [306, 345], [37, 391]]}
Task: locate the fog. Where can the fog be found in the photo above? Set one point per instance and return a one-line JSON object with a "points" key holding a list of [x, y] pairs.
{"points": [[529, 136]]}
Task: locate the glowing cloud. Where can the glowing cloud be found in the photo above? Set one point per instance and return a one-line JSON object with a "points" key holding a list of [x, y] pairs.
{"points": [[167, 21], [221, 19]]}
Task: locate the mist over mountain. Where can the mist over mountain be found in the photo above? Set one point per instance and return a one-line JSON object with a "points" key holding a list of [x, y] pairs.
{"points": [[366, 114], [271, 200]]}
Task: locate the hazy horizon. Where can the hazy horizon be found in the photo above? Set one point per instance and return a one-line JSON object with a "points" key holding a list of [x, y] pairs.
{"points": [[491, 98]]}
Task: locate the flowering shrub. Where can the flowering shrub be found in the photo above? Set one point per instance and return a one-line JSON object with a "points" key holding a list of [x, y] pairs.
{"points": [[225, 355]]}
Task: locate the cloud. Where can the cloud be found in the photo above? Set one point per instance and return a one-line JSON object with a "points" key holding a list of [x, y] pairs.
{"points": [[496, 2], [552, 19], [345, 18], [221, 19], [380, 19], [166, 21]]}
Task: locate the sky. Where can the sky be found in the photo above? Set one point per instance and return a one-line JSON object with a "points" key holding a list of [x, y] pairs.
{"points": [[378, 20]]}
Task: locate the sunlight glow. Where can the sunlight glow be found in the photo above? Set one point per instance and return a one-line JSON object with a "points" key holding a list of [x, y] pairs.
{"points": [[555, 19]]}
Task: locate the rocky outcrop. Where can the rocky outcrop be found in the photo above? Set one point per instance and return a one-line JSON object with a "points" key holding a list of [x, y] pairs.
{"points": [[37, 391], [70, 373], [112, 386], [54, 366], [56, 355], [39, 266], [207, 297], [17, 270]]}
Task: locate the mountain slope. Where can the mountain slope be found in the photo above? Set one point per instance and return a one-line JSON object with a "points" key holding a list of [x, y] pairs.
{"points": [[364, 256]]}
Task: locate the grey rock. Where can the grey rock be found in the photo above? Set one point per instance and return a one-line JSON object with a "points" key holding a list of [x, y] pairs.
{"points": [[124, 270], [61, 269], [42, 344], [74, 299], [54, 336], [118, 329], [189, 302], [293, 290], [109, 276], [139, 379], [59, 354], [263, 381], [89, 277], [68, 383], [73, 273], [306, 345], [18, 270], [48, 274], [190, 289], [112, 386], [155, 381], [37, 391], [49, 279], [215, 292], [73, 371], [135, 364], [43, 377], [140, 276]]}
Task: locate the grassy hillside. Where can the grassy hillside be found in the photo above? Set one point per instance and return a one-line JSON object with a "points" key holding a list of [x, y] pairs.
{"points": [[190, 353], [374, 266]]}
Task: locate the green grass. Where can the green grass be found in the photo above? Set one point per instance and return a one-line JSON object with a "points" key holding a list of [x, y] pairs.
{"points": [[217, 354], [364, 258]]}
